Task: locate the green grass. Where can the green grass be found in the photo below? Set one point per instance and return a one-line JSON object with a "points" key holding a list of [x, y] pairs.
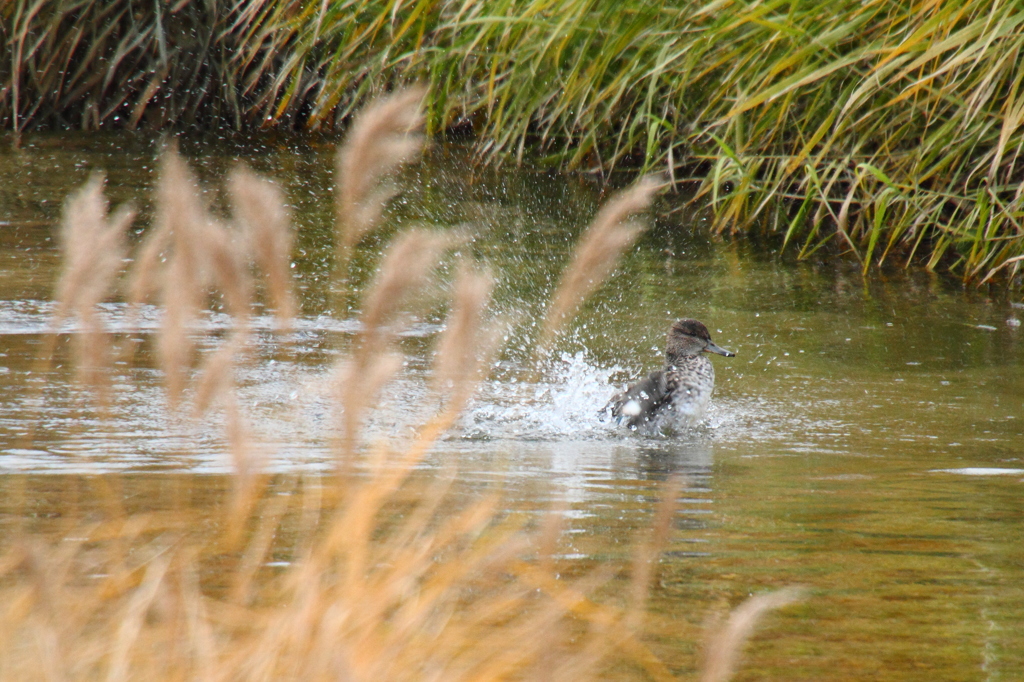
{"points": [[887, 130]]}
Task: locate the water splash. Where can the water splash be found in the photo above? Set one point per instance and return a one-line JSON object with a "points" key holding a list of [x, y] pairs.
{"points": [[565, 402]]}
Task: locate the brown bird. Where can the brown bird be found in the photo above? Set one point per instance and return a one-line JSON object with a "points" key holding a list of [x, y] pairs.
{"points": [[677, 395]]}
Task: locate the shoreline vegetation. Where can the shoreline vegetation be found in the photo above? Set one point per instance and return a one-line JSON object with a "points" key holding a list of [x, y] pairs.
{"points": [[371, 572], [888, 131]]}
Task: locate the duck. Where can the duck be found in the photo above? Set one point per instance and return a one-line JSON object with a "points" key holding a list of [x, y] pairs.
{"points": [[676, 396]]}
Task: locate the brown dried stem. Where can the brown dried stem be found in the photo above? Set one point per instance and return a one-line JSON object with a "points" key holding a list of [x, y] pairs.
{"points": [[258, 206], [93, 247], [724, 649], [465, 347], [187, 254], [596, 255], [403, 272], [647, 554], [381, 140]]}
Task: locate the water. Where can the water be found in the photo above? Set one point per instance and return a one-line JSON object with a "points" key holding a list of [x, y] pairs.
{"points": [[867, 441]]}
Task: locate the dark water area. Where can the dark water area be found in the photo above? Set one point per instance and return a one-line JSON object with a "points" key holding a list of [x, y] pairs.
{"points": [[866, 442]]}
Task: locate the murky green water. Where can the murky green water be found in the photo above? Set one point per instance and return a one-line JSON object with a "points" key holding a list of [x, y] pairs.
{"points": [[867, 441]]}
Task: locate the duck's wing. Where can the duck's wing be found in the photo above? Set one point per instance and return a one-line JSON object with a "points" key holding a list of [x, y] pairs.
{"points": [[639, 403]]}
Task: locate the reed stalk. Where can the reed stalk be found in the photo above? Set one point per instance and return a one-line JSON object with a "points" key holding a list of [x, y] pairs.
{"points": [[371, 364], [258, 205], [909, 114], [383, 137], [465, 347], [595, 256], [187, 255], [93, 246], [725, 647]]}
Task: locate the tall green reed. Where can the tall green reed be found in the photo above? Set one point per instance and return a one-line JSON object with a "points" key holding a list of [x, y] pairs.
{"points": [[783, 105], [886, 130]]}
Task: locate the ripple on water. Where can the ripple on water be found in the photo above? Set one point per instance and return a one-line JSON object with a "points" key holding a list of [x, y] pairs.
{"points": [[980, 471]]}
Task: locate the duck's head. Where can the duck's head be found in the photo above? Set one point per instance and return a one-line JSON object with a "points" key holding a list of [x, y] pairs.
{"points": [[690, 337]]}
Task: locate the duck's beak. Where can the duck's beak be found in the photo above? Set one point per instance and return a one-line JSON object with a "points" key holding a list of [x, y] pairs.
{"points": [[712, 348]]}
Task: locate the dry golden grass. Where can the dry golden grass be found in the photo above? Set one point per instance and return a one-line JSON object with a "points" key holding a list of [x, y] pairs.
{"points": [[259, 206], [187, 255], [465, 348], [596, 255], [434, 591], [386, 576], [371, 364], [383, 137], [92, 247], [725, 647]]}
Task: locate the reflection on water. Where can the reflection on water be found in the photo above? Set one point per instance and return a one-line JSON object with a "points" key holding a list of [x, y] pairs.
{"points": [[867, 440]]}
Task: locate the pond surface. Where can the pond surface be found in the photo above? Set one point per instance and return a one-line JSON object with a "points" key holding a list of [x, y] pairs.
{"points": [[867, 441]]}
